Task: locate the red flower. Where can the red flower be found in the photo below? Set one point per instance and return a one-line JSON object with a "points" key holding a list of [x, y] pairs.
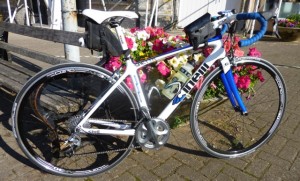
{"points": [[133, 30], [157, 45]]}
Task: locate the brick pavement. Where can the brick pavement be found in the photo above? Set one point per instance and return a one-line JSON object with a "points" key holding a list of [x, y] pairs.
{"points": [[181, 158]]}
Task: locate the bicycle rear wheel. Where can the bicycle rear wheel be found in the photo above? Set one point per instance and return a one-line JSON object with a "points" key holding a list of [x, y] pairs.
{"points": [[223, 131], [45, 114]]}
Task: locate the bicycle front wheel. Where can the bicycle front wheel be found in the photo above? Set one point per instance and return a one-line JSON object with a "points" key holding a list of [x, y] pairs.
{"points": [[223, 131], [46, 112]]}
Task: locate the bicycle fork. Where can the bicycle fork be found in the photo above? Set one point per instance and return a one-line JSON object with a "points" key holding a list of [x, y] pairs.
{"points": [[231, 88]]}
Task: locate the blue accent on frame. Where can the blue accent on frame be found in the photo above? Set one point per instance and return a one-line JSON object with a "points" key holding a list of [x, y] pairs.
{"points": [[228, 90], [177, 99], [235, 91]]}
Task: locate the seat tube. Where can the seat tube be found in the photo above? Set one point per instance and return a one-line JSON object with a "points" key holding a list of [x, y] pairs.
{"points": [[234, 89]]}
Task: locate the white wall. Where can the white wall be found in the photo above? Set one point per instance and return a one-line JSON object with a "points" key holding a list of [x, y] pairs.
{"points": [[190, 10]]}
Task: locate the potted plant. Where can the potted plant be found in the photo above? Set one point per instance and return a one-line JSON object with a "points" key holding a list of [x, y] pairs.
{"points": [[289, 28]]}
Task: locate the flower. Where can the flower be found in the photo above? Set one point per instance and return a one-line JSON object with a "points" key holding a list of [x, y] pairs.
{"points": [[243, 82], [129, 42], [129, 83], [113, 64], [150, 42], [292, 21], [254, 52], [163, 69]]}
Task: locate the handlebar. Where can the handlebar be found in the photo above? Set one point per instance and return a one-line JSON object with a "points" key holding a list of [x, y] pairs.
{"points": [[262, 18], [263, 28]]}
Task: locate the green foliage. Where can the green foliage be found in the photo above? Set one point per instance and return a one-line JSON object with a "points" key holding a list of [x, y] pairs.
{"points": [[294, 17], [178, 120]]}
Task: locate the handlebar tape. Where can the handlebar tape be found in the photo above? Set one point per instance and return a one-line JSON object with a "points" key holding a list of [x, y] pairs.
{"points": [[260, 34]]}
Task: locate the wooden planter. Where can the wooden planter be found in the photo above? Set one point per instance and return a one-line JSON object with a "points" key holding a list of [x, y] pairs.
{"points": [[289, 34]]}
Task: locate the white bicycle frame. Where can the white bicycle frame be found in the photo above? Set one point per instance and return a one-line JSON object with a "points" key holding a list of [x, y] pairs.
{"points": [[132, 71]]}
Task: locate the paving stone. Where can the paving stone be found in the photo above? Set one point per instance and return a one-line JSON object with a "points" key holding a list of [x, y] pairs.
{"points": [[142, 173], [276, 172], [190, 174], [257, 167], [125, 177], [237, 162], [192, 160], [175, 177], [223, 177], [146, 160], [276, 143], [167, 168], [124, 166], [296, 166], [275, 160], [288, 153], [213, 168], [237, 174]]}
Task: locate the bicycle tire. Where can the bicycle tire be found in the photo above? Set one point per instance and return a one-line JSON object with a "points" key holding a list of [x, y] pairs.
{"points": [[224, 132], [42, 130]]}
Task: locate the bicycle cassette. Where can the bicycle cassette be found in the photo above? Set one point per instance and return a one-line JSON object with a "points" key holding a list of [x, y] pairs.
{"points": [[155, 136]]}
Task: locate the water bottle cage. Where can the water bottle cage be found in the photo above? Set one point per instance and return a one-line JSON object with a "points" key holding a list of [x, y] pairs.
{"points": [[173, 84]]}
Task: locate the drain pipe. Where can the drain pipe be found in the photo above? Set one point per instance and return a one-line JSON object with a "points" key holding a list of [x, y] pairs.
{"points": [[69, 19]]}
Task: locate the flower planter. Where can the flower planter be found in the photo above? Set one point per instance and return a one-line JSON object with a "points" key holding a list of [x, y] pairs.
{"points": [[289, 34]]}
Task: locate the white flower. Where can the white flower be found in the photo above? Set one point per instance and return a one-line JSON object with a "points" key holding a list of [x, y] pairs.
{"points": [[142, 35], [174, 62], [150, 44], [198, 58]]}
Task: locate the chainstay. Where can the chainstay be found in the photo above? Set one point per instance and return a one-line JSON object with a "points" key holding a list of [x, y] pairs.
{"points": [[108, 151]]}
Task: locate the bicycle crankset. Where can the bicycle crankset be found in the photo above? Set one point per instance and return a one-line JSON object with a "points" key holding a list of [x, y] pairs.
{"points": [[153, 134]]}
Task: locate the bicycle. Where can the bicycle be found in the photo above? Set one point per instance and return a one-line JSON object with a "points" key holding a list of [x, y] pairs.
{"points": [[110, 120]]}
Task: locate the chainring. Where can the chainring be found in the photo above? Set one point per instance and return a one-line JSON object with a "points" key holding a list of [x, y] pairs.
{"points": [[161, 131]]}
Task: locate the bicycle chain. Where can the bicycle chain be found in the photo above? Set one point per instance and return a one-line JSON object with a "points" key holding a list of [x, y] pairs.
{"points": [[105, 152]]}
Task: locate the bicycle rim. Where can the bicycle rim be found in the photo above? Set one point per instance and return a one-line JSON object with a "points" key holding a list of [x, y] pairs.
{"points": [[223, 131], [44, 116]]}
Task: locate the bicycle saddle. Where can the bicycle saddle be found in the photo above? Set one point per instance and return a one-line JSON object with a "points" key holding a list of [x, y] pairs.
{"points": [[100, 16]]}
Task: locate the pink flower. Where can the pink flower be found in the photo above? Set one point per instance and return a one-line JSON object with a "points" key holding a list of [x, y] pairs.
{"points": [[160, 32], [129, 83], [163, 69], [238, 53], [213, 85], [227, 45], [238, 68], [253, 52], [199, 83], [133, 30], [244, 82], [113, 64], [129, 42], [150, 31], [260, 76], [207, 51], [157, 45], [236, 78], [143, 76]]}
